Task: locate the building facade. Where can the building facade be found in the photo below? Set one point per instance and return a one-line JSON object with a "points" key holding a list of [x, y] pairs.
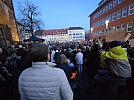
{"points": [[112, 15], [8, 29], [76, 34], [21, 31], [53, 35]]}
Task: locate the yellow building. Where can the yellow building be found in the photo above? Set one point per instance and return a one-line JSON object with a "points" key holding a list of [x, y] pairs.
{"points": [[8, 29]]}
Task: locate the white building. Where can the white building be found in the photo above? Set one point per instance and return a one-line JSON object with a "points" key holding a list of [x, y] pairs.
{"points": [[27, 34], [23, 34], [53, 35], [21, 31], [76, 34]]}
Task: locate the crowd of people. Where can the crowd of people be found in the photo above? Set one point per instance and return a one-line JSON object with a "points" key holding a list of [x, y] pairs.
{"points": [[44, 71]]}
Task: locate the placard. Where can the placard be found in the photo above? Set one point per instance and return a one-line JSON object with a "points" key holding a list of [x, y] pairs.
{"points": [[115, 35], [132, 43]]}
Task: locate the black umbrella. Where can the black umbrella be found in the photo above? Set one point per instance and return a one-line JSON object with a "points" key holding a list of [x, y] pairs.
{"points": [[33, 38]]}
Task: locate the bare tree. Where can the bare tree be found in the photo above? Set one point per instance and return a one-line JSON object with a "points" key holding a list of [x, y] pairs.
{"points": [[29, 16]]}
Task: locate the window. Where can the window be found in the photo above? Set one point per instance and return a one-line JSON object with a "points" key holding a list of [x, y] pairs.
{"points": [[117, 27], [131, 9], [124, 12], [110, 18], [110, 5], [96, 15], [94, 25], [100, 22], [106, 18], [106, 8], [94, 34], [129, 27], [100, 12], [102, 32], [103, 10], [123, 25], [118, 14], [103, 22], [114, 16], [109, 29], [98, 33], [119, 1], [114, 3], [106, 30]]}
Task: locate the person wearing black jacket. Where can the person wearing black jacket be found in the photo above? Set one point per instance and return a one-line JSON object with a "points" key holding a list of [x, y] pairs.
{"points": [[62, 63]]}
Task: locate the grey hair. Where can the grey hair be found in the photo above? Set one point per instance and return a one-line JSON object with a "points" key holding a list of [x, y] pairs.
{"points": [[38, 52]]}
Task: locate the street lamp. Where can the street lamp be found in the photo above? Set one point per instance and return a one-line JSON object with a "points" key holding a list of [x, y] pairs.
{"points": [[106, 22], [91, 30]]}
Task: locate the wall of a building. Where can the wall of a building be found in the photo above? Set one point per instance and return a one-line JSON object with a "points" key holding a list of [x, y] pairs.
{"points": [[126, 20], [76, 35], [7, 21]]}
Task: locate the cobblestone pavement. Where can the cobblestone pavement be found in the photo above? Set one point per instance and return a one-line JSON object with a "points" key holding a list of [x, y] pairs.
{"points": [[82, 92]]}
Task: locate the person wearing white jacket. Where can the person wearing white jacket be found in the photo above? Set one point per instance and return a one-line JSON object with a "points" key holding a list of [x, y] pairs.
{"points": [[79, 61], [42, 81], [52, 56]]}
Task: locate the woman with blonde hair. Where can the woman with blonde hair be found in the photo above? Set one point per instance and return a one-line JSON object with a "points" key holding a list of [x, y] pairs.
{"points": [[62, 63]]}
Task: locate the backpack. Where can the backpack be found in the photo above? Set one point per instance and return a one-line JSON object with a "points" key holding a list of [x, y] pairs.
{"points": [[13, 62], [13, 66]]}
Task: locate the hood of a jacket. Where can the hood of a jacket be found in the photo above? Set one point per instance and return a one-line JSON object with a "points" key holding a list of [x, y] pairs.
{"points": [[115, 53]]}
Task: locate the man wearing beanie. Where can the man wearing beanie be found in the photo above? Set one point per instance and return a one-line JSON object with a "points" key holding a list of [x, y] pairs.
{"points": [[119, 63], [113, 80]]}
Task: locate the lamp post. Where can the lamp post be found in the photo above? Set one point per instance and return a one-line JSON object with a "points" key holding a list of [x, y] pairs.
{"points": [[91, 30], [106, 22]]}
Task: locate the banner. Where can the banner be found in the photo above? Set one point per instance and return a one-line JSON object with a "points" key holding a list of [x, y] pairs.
{"points": [[127, 37], [115, 35]]}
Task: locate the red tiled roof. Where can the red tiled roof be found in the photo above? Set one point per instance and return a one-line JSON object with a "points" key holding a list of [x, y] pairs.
{"points": [[54, 31]]}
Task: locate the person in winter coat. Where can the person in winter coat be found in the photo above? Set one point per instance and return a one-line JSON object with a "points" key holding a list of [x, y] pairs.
{"points": [[11, 65], [56, 55], [79, 61], [42, 81], [119, 64], [69, 54], [62, 63], [105, 84], [52, 56]]}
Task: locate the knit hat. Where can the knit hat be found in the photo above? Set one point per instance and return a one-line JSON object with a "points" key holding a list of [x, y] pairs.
{"points": [[20, 46], [12, 51], [115, 43], [69, 49]]}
